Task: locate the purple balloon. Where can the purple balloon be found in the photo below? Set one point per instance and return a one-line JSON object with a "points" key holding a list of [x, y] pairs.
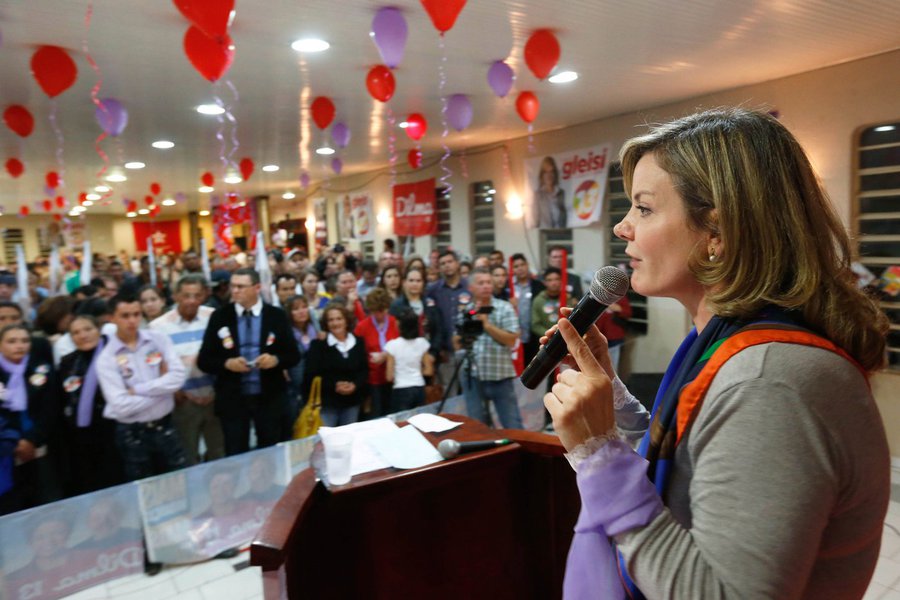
{"points": [[337, 165], [49, 191], [389, 32], [500, 78], [180, 197], [112, 120], [340, 133], [304, 180], [459, 111]]}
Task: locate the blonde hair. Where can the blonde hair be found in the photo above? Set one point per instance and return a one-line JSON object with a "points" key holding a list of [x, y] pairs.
{"points": [[745, 179]]}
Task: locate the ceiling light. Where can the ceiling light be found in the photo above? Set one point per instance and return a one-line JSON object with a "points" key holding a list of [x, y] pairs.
{"points": [[563, 77], [144, 211], [85, 203], [270, 168], [885, 128], [163, 144], [168, 202], [93, 196], [101, 188], [492, 191], [131, 215], [324, 150], [310, 45], [402, 124], [288, 195], [135, 164], [116, 177], [232, 179], [210, 109], [203, 213], [205, 189]]}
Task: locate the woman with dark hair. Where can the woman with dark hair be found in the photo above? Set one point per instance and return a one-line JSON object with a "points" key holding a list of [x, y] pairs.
{"points": [[408, 363], [26, 417], [54, 315], [304, 334], [765, 472], [549, 203], [92, 460], [425, 309], [414, 261], [153, 304], [390, 281], [309, 284], [341, 361]]}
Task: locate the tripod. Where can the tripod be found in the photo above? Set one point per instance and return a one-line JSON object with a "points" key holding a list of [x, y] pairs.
{"points": [[467, 359]]}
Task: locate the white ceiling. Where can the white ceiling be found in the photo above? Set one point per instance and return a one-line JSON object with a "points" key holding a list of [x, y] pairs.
{"points": [[630, 55]]}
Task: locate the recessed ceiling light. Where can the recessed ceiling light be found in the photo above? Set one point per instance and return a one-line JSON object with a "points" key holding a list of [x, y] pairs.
{"points": [[325, 150], [232, 179], [93, 196], [288, 195], [270, 168], [310, 45], [163, 144], [85, 203], [116, 177], [101, 188], [402, 124], [885, 128], [492, 191], [135, 164], [205, 189], [144, 211], [203, 213], [131, 215], [563, 77], [168, 202], [210, 109]]}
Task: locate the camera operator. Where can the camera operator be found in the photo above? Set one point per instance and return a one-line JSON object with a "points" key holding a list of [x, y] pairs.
{"points": [[488, 329]]}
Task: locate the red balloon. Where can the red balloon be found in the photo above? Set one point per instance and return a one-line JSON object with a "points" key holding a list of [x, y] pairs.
{"points": [[14, 167], [148, 200], [416, 126], [155, 189], [380, 83], [132, 206], [154, 210], [414, 158], [53, 69], [322, 111], [541, 52], [24, 210], [19, 120], [48, 205], [60, 202], [210, 56], [246, 165], [528, 106], [207, 179], [443, 13], [82, 197], [212, 17], [57, 217], [52, 179]]}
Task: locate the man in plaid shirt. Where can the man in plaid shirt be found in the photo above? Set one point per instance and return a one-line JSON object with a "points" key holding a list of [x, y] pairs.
{"points": [[492, 374]]}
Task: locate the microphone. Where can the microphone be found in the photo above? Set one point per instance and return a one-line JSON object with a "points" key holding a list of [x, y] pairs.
{"points": [[608, 286], [452, 448]]}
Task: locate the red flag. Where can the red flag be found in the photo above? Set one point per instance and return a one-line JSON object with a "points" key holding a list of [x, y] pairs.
{"points": [[166, 235]]}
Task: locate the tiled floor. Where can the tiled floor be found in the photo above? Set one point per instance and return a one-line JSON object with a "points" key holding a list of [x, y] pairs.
{"points": [[233, 579]]}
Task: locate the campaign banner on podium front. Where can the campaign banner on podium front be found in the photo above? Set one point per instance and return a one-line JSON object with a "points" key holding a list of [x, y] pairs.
{"points": [[415, 208], [566, 189], [58, 549]]}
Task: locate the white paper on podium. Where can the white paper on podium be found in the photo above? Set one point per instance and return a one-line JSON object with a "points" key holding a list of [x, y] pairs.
{"points": [[430, 423], [363, 458], [404, 448]]}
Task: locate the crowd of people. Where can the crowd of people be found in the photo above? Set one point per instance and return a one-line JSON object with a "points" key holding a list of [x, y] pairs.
{"points": [[139, 373]]}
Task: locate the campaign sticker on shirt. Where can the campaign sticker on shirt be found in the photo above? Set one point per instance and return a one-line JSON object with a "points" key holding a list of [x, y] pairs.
{"points": [[72, 383], [223, 333], [228, 343], [37, 379], [153, 358], [464, 298], [122, 359], [569, 287], [42, 369], [549, 308], [429, 302], [271, 339], [126, 372]]}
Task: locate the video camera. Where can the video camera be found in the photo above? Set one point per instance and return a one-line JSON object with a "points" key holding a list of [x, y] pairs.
{"points": [[470, 327]]}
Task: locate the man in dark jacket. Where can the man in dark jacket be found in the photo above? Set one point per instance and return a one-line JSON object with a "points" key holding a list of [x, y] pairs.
{"points": [[247, 346]]}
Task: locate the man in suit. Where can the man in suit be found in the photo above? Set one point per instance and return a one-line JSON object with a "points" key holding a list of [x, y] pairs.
{"points": [[247, 346]]}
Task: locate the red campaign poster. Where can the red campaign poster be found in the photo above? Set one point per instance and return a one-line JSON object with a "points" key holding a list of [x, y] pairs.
{"points": [[415, 208], [166, 235]]}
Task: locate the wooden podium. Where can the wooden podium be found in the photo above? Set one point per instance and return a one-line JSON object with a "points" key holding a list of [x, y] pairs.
{"points": [[491, 524]]}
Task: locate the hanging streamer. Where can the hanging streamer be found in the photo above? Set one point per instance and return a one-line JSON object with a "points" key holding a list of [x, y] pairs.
{"points": [[23, 297], [60, 140], [151, 260], [220, 132], [442, 73], [231, 118], [392, 145], [95, 93]]}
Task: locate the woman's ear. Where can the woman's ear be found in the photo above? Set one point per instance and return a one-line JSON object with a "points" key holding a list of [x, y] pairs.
{"points": [[714, 244]]}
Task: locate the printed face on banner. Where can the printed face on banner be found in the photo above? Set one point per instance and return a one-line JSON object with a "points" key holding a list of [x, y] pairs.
{"points": [[415, 208], [566, 189], [357, 221]]}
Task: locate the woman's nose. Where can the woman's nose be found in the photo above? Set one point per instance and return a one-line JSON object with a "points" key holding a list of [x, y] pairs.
{"points": [[622, 229]]}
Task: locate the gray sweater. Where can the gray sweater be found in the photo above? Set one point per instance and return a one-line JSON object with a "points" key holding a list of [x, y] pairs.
{"points": [[779, 489]]}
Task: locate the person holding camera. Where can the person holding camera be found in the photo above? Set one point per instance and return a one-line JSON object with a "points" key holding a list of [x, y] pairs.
{"points": [[488, 329]]}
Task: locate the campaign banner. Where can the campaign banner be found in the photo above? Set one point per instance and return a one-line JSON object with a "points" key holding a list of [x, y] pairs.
{"points": [[415, 208], [166, 235], [55, 550], [357, 218], [566, 190], [197, 513]]}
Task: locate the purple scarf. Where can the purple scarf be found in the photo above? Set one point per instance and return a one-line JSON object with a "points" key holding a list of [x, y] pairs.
{"points": [[89, 390], [16, 392], [382, 331]]}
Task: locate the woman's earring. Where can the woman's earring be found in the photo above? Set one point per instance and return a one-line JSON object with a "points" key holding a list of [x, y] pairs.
{"points": [[712, 256]]}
